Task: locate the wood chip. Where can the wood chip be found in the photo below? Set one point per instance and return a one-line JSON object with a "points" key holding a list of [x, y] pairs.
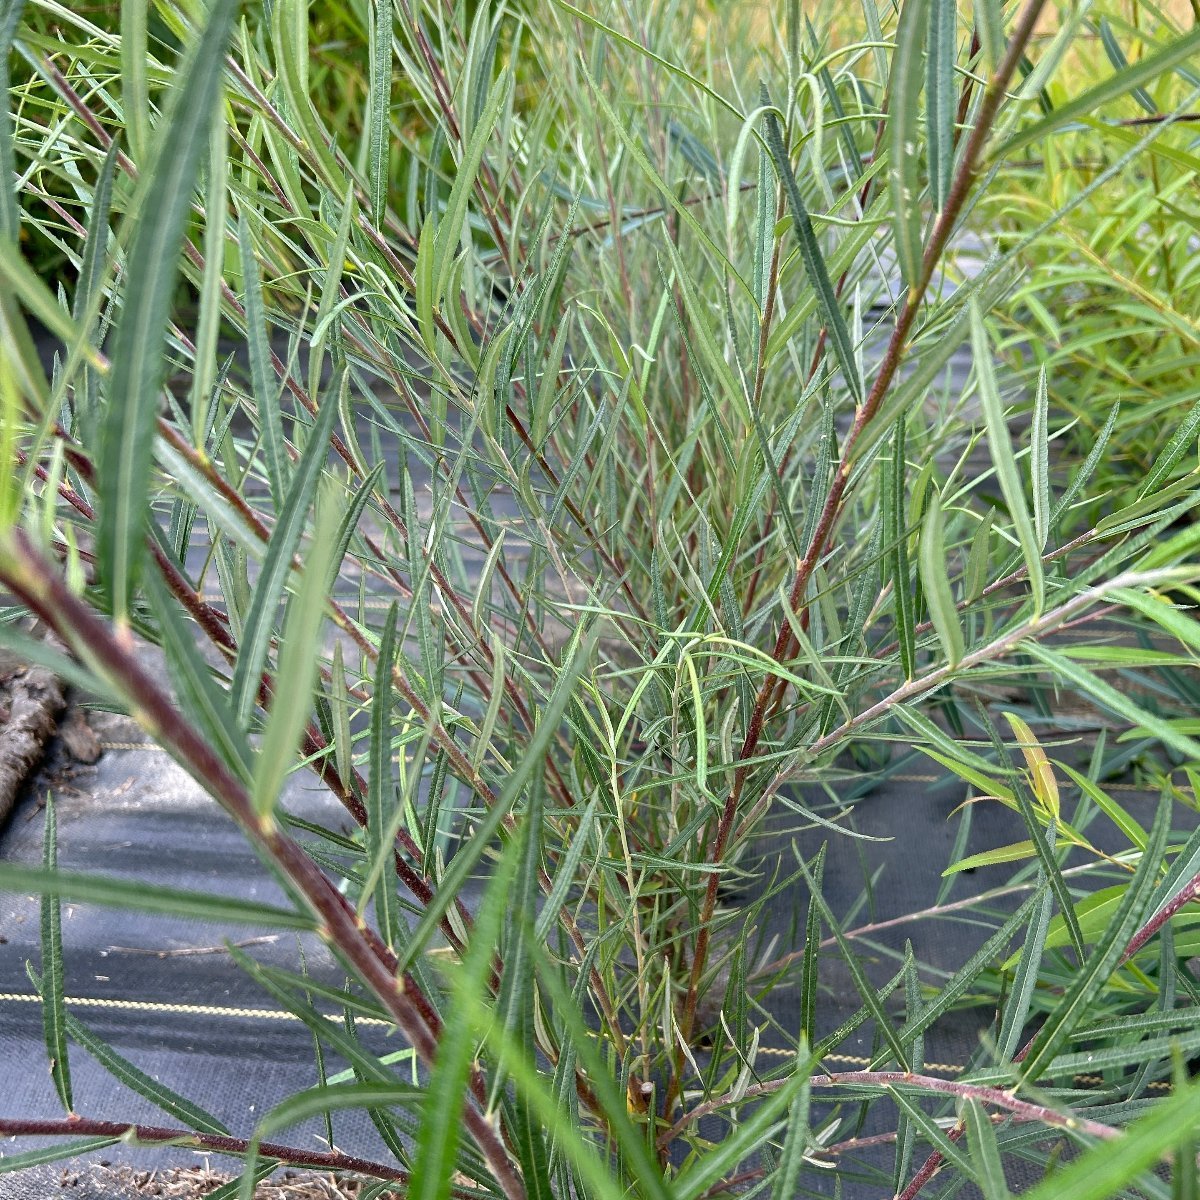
{"points": [[81, 742], [32, 698]]}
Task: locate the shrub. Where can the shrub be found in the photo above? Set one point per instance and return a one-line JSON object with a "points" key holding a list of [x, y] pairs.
{"points": [[613, 353]]}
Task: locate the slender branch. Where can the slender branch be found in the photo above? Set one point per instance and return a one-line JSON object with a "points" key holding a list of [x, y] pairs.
{"points": [[1157, 119], [1048, 622], [1022, 1110], [924, 914], [956, 198], [931, 1166], [326, 1160], [211, 621], [38, 586], [1186, 895]]}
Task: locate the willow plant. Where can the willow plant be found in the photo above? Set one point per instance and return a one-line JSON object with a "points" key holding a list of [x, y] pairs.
{"points": [[612, 352]]}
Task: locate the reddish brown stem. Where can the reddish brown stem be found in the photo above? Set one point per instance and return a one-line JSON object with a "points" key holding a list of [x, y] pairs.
{"points": [[931, 1166], [75, 1126], [38, 587], [994, 1097], [959, 190]]}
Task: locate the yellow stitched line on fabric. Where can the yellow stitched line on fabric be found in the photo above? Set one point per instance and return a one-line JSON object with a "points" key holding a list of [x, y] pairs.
{"points": [[196, 1010], [275, 1014], [857, 1060]]}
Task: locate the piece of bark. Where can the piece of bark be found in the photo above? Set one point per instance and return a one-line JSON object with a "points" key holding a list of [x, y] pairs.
{"points": [[30, 700], [79, 738]]}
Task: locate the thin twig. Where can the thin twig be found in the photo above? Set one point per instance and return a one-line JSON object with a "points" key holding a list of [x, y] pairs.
{"points": [[39, 588], [1022, 1110], [76, 1126], [956, 198]]}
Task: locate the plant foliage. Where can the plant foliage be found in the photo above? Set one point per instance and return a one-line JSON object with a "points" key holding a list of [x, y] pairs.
{"points": [[566, 407]]}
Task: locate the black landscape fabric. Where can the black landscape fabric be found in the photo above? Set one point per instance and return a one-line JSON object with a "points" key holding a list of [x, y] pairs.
{"points": [[165, 993]]}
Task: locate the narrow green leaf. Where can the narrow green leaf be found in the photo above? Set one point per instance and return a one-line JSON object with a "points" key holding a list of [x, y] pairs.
{"points": [[11, 1163], [10, 211], [1116, 56], [933, 1133], [112, 892], [424, 281], [135, 90], [231, 1189], [935, 582], [989, 25], [940, 100], [95, 249], [1173, 451], [263, 618], [896, 541], [325, 323], [290, 30], [54, 992], [565, 877], [203, 702], [138, 362], [985, 1153], [380, 791], [795, 1142], [334, 1097], [266, 392], [517, 1002], [1053, 872], [981, 768], [1039, 463], [380, 102], [1094, 973], [904, 139], [905, 1134], [975, 577], [182, 1109], [1106, 1170], [870, 998], [958, 985], [1016, 1010], [814, 261], [292, 994], [1000, 446], [1115, 701], [221, 514], [435, 1158], [348, 524], [298, 658], [450, 227], [1107, 805], [870, 10], [208, 328], [1145, 70], [1014, 852], [24, 282]]}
